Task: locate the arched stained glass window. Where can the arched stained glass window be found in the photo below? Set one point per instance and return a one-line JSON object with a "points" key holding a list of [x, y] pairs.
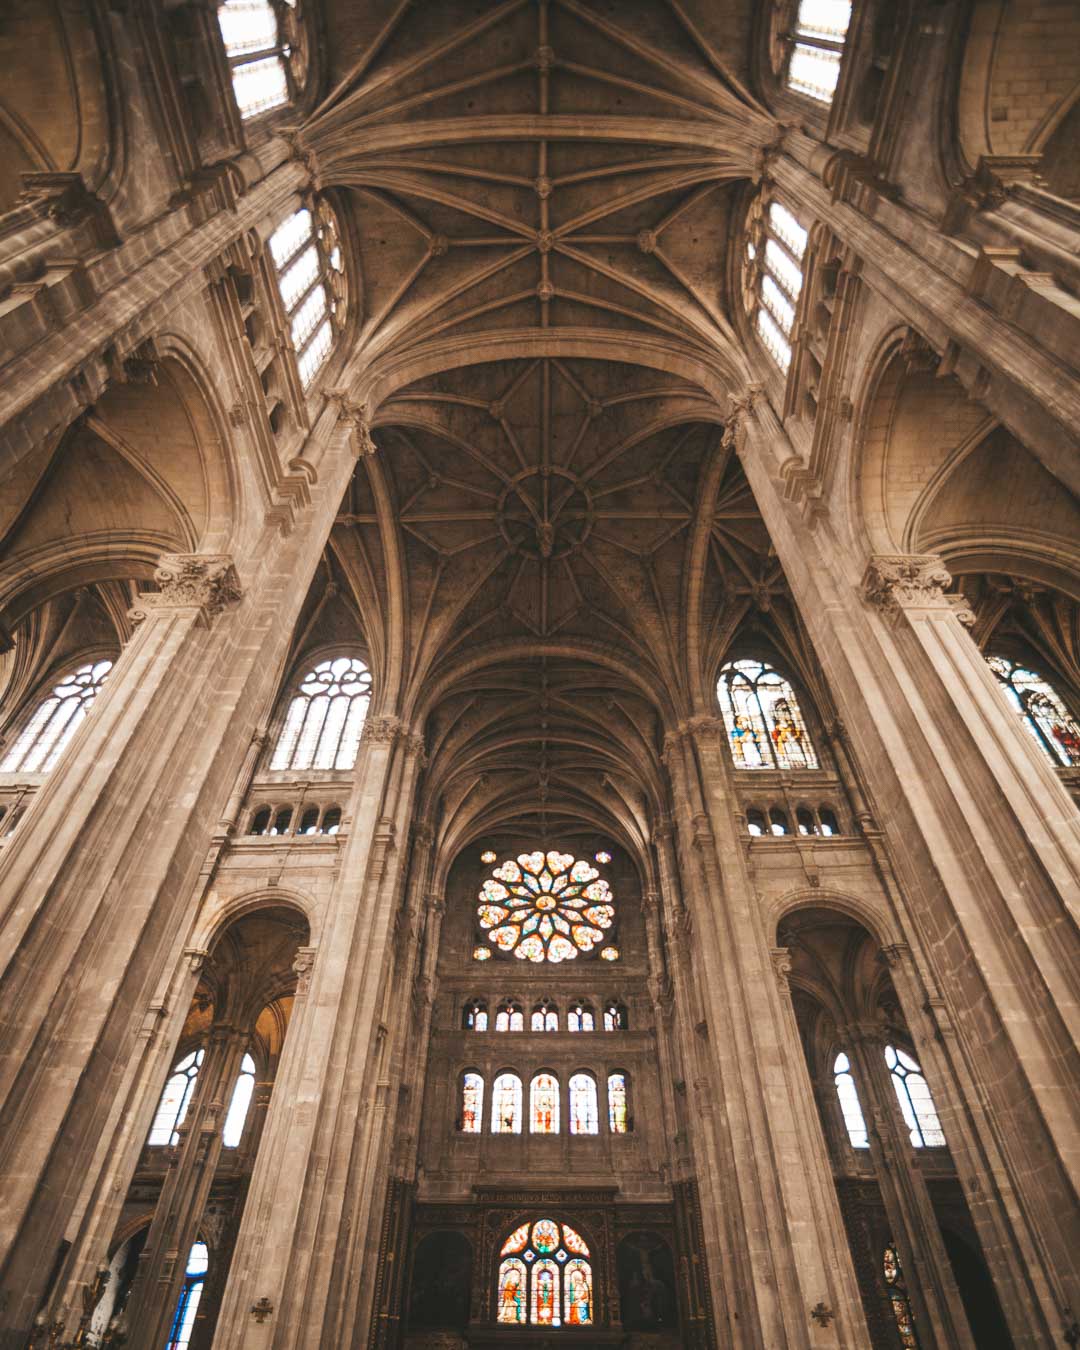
{"points": [[618, 1104], [175, 1100], [545, 1277], [849, 1102], [547, 907], [325, 718], [615, 1017], [1040, 707], [475, 1015], [545, 1017], [506, 1104], [544, 1104], [307, 253], [898, 1298], [584, 1116], [256, 53], [235, 1119], [56, 720], [818, 48], [472, 1103], [764, 724], [509, 1017], [916, 1103], [194, 1279], [580, 1018]]}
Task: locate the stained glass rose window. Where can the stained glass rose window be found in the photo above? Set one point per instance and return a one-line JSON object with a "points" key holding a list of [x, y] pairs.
{"points": [[546, 907]]}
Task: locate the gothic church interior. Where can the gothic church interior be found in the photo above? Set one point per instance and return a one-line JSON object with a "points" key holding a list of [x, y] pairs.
{"points": [[539, 674]]}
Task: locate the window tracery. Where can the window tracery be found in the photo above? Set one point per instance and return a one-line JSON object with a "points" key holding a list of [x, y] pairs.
{"points": [[615, 1017], [545, 1016], [764, 722], [55, 720], [1041, 709], [580, 1017], [545, 1277], [262, 46], [198, 1263], [547, 907], [916, 1103], [326, 717], [846, 1091], [509, 1017], [584, 1116], [506, 1104], [307, 253], [818, 48], [544, 1104], [175, 1100], [773, 275], [475, 1016], [236, 1117]]}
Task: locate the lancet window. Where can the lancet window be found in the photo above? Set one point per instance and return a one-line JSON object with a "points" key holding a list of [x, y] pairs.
{"points": [[506, 1104], [1041, 709], [257, 53], [544, 1104], [307, 253], [916, 1103], [898, 1298], [579, 1017], [183, 1325], [584, 1117], [618, 1099], [764, 723], [472, 1103], [547, 907], [773, 275], [545, 1017], [545, 1277], [175, 1100], [509, 1017], [236, 1117], [55, 720], [849, 1102], [818, 48], [475, 1015], [326, 717], [615, 1017]]}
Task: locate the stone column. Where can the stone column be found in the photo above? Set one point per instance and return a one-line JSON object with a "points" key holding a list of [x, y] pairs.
{"points": [[985, 843], [799, 1287]]}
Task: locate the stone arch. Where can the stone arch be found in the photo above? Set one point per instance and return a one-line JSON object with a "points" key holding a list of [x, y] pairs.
{"points": [[217, 918]]}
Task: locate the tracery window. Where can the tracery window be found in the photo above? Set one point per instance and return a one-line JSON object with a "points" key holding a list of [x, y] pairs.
{"points": [[584, 1116], [916, 1103], [618, 1104], [236, 1117], [547, 907], [849, 1102], [50, 729], [257, 54], [175, 1100], [818, 47], [1041, 709], [764, 723], [307, 253], [580, 1017], [545, 1277], [475, 1016], [325, 718], [773, 275], [545, 1017], [194, 1279], [509, 1017], [544, 1104], [472, 1103], [615, 1017], [506, 1104], [898, 1298]]}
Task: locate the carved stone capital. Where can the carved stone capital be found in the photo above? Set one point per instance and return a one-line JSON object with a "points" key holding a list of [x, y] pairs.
{"points": [[740, 410], [355, 416], [195, 958], [895, 582], [382, 730], [416, 749], [781, 964], [303, 964], [895, 955], [203, 581], [423, 833], [703, 725]]}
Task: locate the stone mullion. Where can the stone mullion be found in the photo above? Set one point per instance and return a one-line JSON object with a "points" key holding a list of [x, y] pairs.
{"points": [[291, 1225], [979, 827], [184, 1193], [939, 1313], [785, 1159]]}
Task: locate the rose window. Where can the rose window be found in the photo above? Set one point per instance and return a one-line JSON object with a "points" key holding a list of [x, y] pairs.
{"points": [[546, 907]]}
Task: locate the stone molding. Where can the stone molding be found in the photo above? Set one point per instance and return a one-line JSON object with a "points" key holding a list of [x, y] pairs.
{"points": [[895, 582], [203, 581]]}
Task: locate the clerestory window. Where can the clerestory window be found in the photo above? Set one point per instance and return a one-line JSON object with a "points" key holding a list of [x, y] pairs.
{"points": [[175, 1100], [818, 48], [236, 1117], [854, 1121], [55, 720], [258, 54], [764, 723], [183, 1323], [916, 1103], [775, 249], [307, 253], [325, 718], [1041, 709]]}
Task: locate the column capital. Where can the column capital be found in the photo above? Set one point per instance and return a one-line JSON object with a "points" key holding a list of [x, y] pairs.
{"points": [[206, 582], [302, 965], [384, 730], [895, 582], [781, 964]]}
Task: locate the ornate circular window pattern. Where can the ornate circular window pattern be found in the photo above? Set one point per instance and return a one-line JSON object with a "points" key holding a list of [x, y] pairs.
{"points": [[546, 907]]}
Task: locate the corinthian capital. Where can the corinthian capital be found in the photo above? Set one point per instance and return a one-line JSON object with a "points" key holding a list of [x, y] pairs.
{"points": [[203, 581], [895, 582]]}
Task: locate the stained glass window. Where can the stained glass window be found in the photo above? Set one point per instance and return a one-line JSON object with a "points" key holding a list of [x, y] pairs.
{"points": [[584, 1117], [580, 1017], [325, 718], [764, 724], [617, 1103], [898, 1298], [1040, 707], [175, 1100], [506, 1104], [475, 1015], [256, 55], [307, 253], [236, 1116], [544, 1104], [849, 1102], [916, 1103], [615, 1018], [194, 1278], [545, 1017], [509, 1017], [56, 720], [547, 907], [472, 1103], [820, 32], [545, 1277]]}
